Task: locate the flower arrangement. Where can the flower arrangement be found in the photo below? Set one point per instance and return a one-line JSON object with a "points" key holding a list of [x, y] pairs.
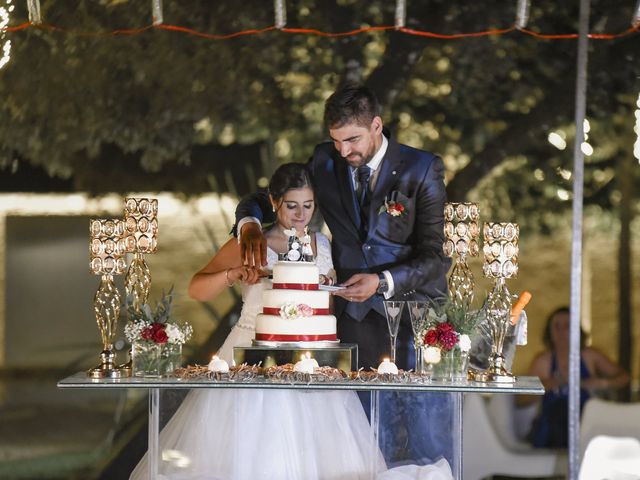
{"points": [[291, 311], [148, 326], [393, 208], [452, 323], [442, 335]]}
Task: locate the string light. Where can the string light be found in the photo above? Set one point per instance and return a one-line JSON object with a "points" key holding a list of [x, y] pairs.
{"points": [[5, 12], [443, 36], [280, 13], [401, 13], [522, 14], [34, 11], [636, 146], [156, 12]]}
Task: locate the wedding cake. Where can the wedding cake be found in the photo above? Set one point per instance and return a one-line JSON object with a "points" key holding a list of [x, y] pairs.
{"points": [[295, 309]]}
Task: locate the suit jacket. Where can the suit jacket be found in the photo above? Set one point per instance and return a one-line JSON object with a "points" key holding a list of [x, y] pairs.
{"points": [[408, 246]]}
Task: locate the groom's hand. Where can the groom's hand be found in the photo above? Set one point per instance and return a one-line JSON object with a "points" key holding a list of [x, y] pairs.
{"points": [[360, 287], [253, 245]]}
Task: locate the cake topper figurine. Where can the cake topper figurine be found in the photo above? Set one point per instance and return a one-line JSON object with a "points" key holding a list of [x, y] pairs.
{"points": [[307, 252], [299, 249]]}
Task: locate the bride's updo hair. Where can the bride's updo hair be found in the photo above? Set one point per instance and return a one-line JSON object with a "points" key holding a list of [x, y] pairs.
{"points": [[287, 177]]}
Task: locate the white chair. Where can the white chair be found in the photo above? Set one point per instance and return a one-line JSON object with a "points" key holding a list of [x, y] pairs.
{"points": [[511, 423], [484, 453], [601, 417], [611, 458]]}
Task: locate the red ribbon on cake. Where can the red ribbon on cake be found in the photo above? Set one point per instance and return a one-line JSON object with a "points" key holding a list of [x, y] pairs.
{"points": [[314, 311], [295, 286], [269, 337]]}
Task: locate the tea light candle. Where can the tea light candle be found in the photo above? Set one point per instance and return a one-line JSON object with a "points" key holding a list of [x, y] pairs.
{"points": [[306, 364], [387, 366], [218, 365], [432, 355]]}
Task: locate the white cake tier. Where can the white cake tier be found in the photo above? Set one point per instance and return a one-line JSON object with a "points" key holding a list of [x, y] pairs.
{"points": [[293, 274], [314, 328], [312, 298]]}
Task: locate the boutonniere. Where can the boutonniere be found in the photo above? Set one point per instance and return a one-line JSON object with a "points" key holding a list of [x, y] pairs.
{"points": [[393, 208]]}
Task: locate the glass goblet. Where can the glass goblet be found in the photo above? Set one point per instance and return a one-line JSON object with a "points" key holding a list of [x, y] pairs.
{"points": [[418, 315], [393, 310]]}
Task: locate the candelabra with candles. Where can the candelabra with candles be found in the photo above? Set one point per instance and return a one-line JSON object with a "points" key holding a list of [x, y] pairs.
{"points": [[500, 262], [107, 260], [141, 237], [461, 230]]}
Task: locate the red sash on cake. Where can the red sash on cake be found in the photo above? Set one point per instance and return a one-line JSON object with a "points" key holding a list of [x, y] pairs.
{"points": [[295, 286]]}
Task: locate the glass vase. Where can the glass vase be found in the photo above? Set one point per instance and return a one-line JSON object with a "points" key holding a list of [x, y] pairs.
{"points": [[453, 366], [155, 360]]}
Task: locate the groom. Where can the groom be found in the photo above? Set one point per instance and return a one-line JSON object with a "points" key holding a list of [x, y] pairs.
{"points": [[383, 203]]}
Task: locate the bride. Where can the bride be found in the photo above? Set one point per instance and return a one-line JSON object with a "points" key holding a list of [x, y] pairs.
{"points": [[225, 434]]}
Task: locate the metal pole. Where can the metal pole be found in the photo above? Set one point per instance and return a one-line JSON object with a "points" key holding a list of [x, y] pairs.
{"points": [[576, 245]]}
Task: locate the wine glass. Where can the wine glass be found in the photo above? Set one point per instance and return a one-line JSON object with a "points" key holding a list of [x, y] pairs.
{"points": [[393, 310], [418, 315]]}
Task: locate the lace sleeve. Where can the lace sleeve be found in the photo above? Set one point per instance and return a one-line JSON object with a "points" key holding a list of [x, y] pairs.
{"points": [[323, 255]]}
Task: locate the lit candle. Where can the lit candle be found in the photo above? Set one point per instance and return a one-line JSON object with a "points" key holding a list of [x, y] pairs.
{"points": [[387, 366], [306, 364], [432, 355], [218, 365]]}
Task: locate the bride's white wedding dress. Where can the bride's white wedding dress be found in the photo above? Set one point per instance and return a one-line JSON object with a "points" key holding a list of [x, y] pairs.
{"points": [[260, 434]]}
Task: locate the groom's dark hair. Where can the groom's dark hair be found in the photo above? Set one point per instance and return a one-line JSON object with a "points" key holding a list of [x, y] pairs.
{"points": [[351, 103]]}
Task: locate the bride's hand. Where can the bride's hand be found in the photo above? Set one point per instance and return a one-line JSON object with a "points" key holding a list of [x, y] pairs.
{"points": [[246, 275]]}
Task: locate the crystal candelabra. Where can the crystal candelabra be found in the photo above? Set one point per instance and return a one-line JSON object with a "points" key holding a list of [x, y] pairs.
{"points": [[461, 232], [141, 236], [106, 260], [500, 262]]}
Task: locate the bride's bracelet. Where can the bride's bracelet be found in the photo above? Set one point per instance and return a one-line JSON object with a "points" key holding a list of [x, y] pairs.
{"points": [[226, 278]]}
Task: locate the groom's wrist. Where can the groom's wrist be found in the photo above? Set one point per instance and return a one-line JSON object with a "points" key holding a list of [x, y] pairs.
{"points": [[383, 284]]}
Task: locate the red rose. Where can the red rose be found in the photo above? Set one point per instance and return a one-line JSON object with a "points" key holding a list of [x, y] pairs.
{"points": [[155, 326], [147, 333], [445, 327], [399, 207], [431, 338], [448, 339], [160, 336]]}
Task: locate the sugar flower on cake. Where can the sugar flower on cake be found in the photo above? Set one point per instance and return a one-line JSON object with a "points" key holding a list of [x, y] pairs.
{"points": [[291, 311], [159, 327]]}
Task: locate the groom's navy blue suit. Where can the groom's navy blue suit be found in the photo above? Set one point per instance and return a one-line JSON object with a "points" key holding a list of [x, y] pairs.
{"points": [[408, 246]]}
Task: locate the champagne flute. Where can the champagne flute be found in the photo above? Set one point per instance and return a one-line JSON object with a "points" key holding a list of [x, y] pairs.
{"points": [[418, 315], [393, 310]]}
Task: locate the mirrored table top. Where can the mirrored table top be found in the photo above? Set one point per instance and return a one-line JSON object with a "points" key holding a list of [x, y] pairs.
{"points": [[521, 385]]}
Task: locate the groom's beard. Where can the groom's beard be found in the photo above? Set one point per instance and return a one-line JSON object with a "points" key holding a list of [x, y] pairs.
{"points": [[356, 160]]}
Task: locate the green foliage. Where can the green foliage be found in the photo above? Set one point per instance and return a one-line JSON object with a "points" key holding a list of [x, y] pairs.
{"points": [[161, 314], [458, 312]]}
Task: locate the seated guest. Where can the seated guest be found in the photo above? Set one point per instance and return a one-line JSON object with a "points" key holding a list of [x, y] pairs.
{"points": [[597, 374]]}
